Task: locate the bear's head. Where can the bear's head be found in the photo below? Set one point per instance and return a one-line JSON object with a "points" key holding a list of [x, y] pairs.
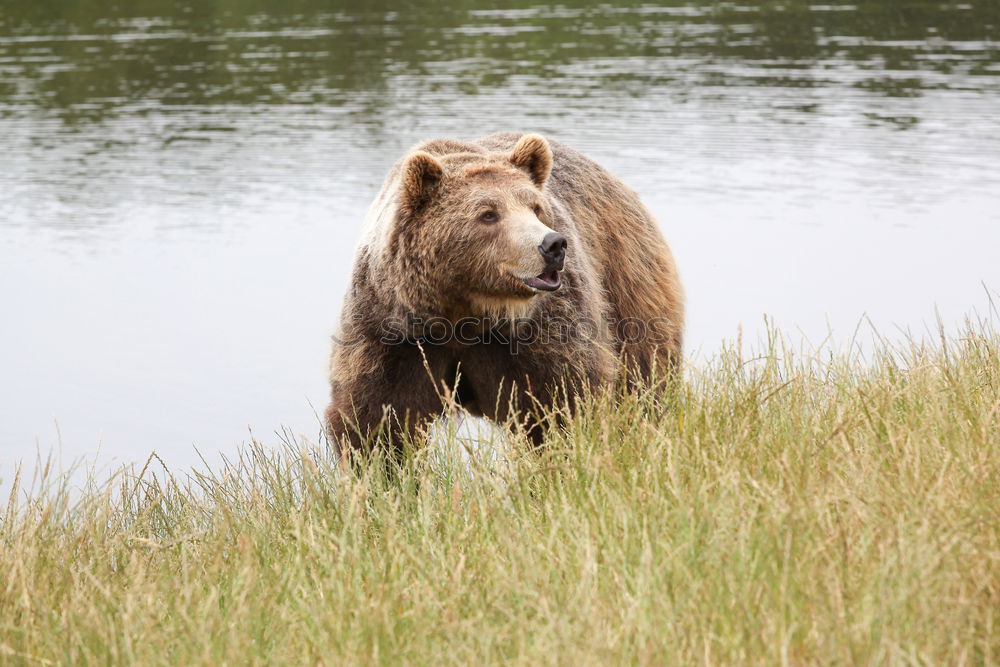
{"points": [[472, 234]]}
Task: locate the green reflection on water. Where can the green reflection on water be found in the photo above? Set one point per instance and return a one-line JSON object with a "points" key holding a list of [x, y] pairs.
{"points": [[85, 59]]}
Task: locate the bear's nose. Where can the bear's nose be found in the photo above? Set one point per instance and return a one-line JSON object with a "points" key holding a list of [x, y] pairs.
{"points": [[553, 249]]}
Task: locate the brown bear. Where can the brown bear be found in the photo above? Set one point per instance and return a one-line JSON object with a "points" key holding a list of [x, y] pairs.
{"points": [[506, 273]]}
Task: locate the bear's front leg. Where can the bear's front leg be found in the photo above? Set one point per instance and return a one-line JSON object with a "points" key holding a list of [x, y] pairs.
{"points": [[536, 384], [382, 396]]}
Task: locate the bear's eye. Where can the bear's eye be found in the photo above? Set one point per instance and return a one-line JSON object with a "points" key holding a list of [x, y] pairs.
{"points": [[489, 217], [538, 211]]}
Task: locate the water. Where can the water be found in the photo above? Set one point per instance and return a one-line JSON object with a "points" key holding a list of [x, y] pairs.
{"points": [[181, 187]]}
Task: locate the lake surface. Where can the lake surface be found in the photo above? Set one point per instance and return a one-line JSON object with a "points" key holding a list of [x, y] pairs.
{"points": [[181, 185]]}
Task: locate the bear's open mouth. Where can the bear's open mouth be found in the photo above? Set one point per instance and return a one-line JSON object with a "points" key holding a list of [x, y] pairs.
{"points": [[548, 281]]}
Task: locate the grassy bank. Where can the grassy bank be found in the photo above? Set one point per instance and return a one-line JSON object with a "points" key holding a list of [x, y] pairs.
{"points": [[794, 508]]}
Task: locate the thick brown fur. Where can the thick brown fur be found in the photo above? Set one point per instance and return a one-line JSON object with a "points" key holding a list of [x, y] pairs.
{"points": [[426, 255]]}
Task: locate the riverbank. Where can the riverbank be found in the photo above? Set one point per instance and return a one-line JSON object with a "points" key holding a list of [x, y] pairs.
{"points": [[794, 508]]}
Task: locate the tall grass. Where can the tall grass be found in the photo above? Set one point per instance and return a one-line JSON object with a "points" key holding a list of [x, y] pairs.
{"points": [[784, 508]]}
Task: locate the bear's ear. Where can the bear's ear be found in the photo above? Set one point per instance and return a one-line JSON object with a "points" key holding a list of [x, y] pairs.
{"points": [[421, 173], [532, 153]]}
